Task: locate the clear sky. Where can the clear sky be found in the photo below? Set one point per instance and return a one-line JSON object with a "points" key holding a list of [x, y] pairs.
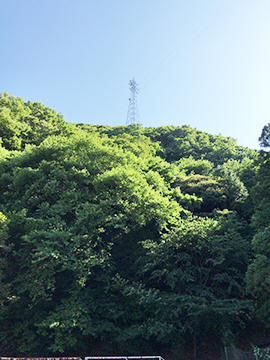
{"points": [[203, 63]]}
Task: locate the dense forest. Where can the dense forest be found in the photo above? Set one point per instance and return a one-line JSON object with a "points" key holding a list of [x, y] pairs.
{"points": [[129, 240]]}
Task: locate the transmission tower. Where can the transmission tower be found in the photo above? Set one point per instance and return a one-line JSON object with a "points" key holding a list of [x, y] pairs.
{"points": [[133, 116]]}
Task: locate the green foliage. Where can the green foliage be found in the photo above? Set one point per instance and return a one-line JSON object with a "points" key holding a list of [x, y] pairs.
{"points": [[258, 274], [236, 192], [192, 281], [183, 142], [28, 123], [261, 193], [84, 200], [222, 190], [191, 166], [265, 136], [5, 249], [263, 354], [209, 189], [99, 241]]}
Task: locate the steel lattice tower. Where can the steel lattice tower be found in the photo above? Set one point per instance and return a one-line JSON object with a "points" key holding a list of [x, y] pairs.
{"points": [[133, 116]]}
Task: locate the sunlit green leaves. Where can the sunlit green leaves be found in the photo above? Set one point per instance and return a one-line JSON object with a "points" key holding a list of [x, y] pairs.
{"points": [[98, 238]]}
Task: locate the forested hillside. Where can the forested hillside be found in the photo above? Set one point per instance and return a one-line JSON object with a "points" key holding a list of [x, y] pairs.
{"points": [[129, 240]]}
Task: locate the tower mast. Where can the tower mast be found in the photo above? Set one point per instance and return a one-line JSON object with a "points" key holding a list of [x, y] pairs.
{"points": [[133, 116]]}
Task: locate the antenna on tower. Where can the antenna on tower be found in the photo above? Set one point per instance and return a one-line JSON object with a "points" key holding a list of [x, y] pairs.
{"points": [[133, 116]]}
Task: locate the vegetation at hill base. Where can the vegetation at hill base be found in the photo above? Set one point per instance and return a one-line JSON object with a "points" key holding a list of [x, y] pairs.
{"points": [[129, 240]]}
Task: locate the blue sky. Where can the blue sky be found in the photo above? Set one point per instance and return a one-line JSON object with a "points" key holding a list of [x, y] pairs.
{"points": [[200, 63]]}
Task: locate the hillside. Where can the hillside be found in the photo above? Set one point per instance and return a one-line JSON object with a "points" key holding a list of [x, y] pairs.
{"points": [[129, 240]]}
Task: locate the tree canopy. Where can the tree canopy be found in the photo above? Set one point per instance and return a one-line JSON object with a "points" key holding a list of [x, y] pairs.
{"points": [[127, 238]]}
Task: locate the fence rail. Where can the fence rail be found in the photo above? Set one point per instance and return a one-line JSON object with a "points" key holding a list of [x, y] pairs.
{"points": [[86, 358]]}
